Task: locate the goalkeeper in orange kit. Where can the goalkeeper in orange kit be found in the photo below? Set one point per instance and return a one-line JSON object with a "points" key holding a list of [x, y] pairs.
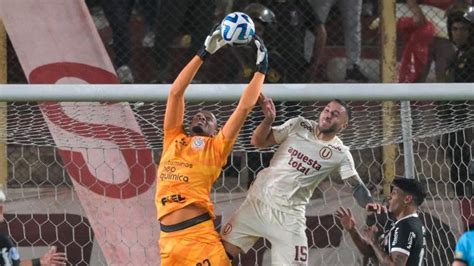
{"points": [[191, 163]]}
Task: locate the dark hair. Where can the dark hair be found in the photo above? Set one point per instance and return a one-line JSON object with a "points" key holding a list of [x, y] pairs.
{"points": [[346, 106], [412, 187], [460, 13]]}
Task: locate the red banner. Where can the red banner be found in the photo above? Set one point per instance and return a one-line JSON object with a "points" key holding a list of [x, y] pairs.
{"points": [[57, 42]]}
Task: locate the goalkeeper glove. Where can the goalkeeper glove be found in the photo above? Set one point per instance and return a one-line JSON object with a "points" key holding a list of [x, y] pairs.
{"points": [[262, 55], [212, 43]]}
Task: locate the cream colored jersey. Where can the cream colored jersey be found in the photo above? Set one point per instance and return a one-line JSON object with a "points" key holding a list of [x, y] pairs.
{"points": [[301, 162]]}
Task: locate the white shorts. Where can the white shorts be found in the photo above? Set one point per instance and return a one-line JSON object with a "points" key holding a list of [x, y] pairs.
{"points": [[286, 233]]}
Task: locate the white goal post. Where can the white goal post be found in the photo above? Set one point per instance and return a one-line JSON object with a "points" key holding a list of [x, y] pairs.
{"points": [[82, 163], [225, 92]]}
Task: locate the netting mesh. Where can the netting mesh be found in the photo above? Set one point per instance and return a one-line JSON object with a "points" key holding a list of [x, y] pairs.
{"points": [[68, 166], [26, 123]]}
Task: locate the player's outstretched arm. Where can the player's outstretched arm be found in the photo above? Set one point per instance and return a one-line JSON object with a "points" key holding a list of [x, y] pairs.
{"points": [[250, 95], [360, 192], [262, 135], [349, 224], [175, 105]]}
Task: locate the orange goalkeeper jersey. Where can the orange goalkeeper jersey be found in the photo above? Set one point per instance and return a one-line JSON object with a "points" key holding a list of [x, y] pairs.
{"points": [[188, 168]]}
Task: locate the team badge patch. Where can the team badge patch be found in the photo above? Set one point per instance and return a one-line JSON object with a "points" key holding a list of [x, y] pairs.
{"points": [[227, 229], [198, 143], [325, 153]]}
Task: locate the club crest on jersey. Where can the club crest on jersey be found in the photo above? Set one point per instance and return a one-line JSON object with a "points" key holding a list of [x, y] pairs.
{"points": [[325, 153], [227, 229], [198, 143]]}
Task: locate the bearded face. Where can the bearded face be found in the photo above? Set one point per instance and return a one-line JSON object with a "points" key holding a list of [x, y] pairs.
{"points": [[333, 119]]}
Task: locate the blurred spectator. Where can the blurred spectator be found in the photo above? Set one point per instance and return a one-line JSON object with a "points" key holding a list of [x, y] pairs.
{"points": [[118, 13], [420, 24], [461, 33], [461, 69], [293, 18], [188, 19], [350, 12], [149, 12], [441, 49]]}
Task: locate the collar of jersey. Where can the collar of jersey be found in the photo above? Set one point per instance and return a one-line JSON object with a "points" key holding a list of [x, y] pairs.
{"points": [[408, 216]]}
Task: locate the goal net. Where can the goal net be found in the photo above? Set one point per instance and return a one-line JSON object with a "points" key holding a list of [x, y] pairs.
{"points": [[82, 175]]}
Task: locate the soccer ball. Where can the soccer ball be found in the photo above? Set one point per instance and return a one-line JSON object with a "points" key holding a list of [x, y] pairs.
{"points": [[237, 28]]}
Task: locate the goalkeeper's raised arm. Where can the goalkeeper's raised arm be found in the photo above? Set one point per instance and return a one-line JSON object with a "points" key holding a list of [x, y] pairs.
{"points": [[251, 93], [175, 104]]}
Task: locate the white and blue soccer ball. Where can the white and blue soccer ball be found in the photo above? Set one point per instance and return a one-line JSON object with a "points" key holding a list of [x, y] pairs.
{"points": [[237, 28]]}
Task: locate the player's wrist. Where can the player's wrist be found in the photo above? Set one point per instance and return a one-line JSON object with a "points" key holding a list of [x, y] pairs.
{"points": [[203, 53], [263, 67], [352, 230], [268, 121]]}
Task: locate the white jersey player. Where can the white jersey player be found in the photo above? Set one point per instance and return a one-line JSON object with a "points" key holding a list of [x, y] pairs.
{"points": [[275, 205]]}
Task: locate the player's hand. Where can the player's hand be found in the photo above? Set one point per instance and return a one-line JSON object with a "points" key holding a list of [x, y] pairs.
{"points": [[346, 218], [212, 43], [262, 55], [268, 108], [370, 234], [53, 258], [376, 207]]}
